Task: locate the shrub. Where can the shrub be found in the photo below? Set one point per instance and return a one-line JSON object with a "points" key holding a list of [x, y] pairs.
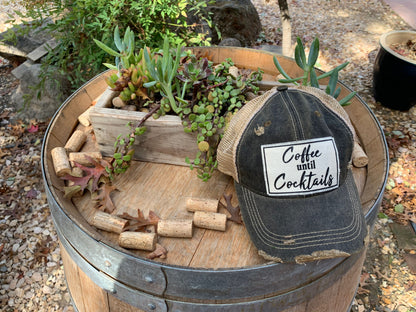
{"points": [[77, 22]]}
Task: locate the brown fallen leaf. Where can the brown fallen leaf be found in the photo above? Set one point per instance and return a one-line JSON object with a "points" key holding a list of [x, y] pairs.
{"points": [[159, 252], [103, 198], [139, 223], [363, 282], [234, 211]]}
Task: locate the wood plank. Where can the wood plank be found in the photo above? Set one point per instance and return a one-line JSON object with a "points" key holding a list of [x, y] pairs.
{"points": [[42, 50], [95, 298], [117, 305], [338, 297], [73, 280], [232, 248], [164, 141], [97, 85]]}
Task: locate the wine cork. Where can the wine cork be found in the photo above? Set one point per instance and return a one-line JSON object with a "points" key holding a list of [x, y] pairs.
{"points": [[117, 102], [201, 204], [60, 161], [84, 118], [210, 220], [233, 70], [359, 157], [76, 141], [107, 222], [83, 158], [138, 240], [175, 228], [77, 172]]}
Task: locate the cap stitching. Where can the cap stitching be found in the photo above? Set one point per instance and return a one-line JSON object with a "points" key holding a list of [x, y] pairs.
{"points": [[355, 226]]}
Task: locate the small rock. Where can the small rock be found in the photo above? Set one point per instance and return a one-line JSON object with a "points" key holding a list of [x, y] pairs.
{"points": [[20, 282], [13, 223], [56, 257], [36, 277], [13, 284], [46, 290], [15, 248], [37, 230], [19, 292], [57, 297], [51, 264], [29, 295], [10, 303]]}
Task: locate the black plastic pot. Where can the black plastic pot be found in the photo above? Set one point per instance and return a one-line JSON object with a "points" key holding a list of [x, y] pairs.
{"points": [[394, 76]]}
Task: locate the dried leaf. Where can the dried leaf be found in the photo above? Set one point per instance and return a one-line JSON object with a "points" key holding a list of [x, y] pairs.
{"points": [[32, 193], [92, 175], [159, 252], [234, 211], [139, 223], [71, 191], [103, 199]]}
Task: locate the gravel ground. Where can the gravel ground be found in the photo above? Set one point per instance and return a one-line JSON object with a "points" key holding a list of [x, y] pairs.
{"points": [[31, 272]]}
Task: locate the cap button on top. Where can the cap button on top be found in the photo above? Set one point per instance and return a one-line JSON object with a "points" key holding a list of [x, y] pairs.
{"points": [[282, 88]]}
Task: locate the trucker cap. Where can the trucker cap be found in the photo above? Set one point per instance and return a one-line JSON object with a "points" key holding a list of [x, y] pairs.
{"points": [[289, 152]]}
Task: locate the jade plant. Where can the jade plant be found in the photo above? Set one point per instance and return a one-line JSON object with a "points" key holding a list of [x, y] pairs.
{"points": [[309, 77], [175, 81]]}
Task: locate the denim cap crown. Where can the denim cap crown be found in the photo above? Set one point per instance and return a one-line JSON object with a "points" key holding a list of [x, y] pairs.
{"points": [[292, 159]]}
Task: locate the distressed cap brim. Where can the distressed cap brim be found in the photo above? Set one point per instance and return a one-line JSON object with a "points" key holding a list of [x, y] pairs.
{"points": [[306, 228]]}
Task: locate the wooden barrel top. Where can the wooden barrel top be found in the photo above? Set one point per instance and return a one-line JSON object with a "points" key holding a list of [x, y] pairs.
{"points": [[164, 189]]}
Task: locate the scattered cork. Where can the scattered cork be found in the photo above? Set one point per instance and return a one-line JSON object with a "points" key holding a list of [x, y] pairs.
{"points": [[84, 158], [84, 118], [138, 240], [210, 220], [76, 141], [359, 157], [201, 204], [107, 222], [175, 228], [117, 102], [60, 161]]}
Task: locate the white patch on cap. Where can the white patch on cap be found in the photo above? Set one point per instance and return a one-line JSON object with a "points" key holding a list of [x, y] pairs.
{"points": [[300, 167]]}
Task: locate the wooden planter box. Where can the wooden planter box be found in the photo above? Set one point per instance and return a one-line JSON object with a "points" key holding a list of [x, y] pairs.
{"points": [[165, 141]]}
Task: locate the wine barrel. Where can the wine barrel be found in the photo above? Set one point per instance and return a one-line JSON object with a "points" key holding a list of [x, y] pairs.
{"points": [[212, 271]]}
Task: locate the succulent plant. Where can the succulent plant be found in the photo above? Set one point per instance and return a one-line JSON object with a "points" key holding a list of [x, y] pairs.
{"points": [[174, 81], [309, 77]]}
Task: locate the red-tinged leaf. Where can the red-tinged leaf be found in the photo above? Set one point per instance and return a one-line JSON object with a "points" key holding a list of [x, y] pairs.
{"points": [[91, 175], [81, 182], [103, 198], [33, 128], [32, 194], [159, 252]]}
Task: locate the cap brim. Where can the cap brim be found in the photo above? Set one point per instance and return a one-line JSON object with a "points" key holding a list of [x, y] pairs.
{"points": [[300, 229]]}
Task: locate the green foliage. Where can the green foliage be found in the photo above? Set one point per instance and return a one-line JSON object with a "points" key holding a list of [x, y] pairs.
{"points": [[77, 22], [309, 77]]}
